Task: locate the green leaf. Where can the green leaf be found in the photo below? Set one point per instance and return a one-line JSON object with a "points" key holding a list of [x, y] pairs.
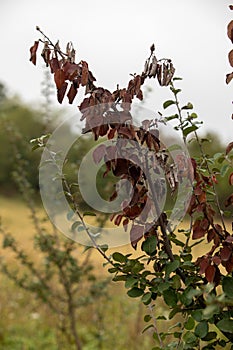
{"points": [[130, 282], [188, 106], [170, 297], [119, 278], [189, 324], [189, 337], [189, 129], [112, 269], [224, 169], [146, 298], [149, 245], [70, 214], [88, 213], [147, 318], [177, 78], [87, 247], [171, 117], [193, 116], [104, 247], [75, 225], [210, 336], [197, 315], [81, 228], [225, 325], [175, 91], [171, 267], [177, 242], [163, 286], [147, 327], [119, 257], [227, 286], [201, 329], [168, 103], [135, 292], [176, 283], [174, 312]]}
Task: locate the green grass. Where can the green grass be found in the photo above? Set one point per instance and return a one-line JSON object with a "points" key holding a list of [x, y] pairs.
{"points": [[26, 324]]}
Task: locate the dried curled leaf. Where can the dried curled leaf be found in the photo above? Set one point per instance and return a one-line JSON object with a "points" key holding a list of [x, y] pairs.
{"points": [[46, 53], [231, 179], [61, 92], [210, 273], [230, 31], [153, 68], [229, 148], [165, 72], [33, 50], [230, 58], [136, 235], [229, 77], [84, 79], [229, 201], [59, 77]]}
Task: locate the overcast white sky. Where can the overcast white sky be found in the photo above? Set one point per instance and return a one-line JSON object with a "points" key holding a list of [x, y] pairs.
{"points": [[115, 36]]}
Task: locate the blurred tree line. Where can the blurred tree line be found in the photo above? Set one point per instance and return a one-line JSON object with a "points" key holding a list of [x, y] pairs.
{"points": [[20, 123]]}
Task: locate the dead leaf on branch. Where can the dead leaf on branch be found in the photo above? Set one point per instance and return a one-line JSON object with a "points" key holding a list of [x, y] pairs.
{"points": [[59, 78], [33, 50], [230, 58], [229, 77], [230, 31], [229, 148]]}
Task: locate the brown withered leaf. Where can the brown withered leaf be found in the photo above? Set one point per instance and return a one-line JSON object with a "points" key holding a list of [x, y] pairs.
{"points": [[54, 64], [84, 78], [229, 239], [46, 53], [229, 148], [61, 92], [103, 129], [137, 84], [230, 58], [71, 70], [210, 273], [136, 234], [153, 68], [121, 167], [230, 31], [59, 78], [111, 133], [72, 93], [231, 179], [229, 78], [200, 228], [225, 253], [229, 265], [125, 224], [203, 262], [33, 50], [140, 95], [229, 201], [113, 196], [132, 212], [99, 153], [216, 260], [118, 219]]}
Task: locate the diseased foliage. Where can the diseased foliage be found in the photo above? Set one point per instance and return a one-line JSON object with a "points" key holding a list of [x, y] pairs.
{"points": [[196, 290]]}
